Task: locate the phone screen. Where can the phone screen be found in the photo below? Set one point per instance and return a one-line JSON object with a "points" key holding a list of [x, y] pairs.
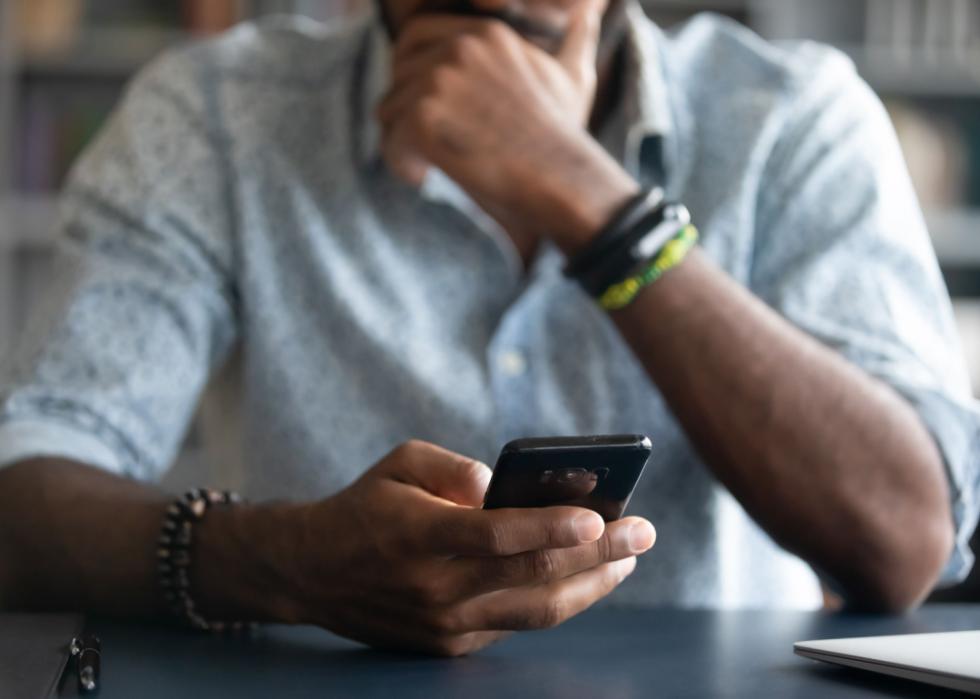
{"points": [[597, 472]]}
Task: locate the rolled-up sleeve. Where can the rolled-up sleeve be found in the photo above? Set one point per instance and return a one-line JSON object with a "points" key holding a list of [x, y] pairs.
{"points": [[842, 251], [141, 304]]}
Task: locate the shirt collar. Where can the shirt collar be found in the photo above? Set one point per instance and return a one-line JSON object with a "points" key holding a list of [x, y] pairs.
{"points": [[374, 76], [643, 108], [642, 114]]}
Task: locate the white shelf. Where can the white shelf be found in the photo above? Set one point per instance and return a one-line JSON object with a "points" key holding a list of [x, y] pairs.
{"points": [[27, 222], [102, 52], [956, 237], [918, 73]]}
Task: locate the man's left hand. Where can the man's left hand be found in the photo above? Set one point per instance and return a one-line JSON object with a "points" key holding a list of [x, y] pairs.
{"points": [[506, 120]]}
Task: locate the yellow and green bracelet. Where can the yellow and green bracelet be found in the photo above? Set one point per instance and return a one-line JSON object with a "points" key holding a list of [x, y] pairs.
{"points": [[622, 293]]}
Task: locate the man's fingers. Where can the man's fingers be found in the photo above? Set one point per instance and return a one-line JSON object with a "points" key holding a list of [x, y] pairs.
{"points": [[579, 49], [541, 606], [403, 161], [395, 630], [439, 471], [437, 28], [421, 62], [478, 575], [509, 531], [454, 646], [403, 95]]}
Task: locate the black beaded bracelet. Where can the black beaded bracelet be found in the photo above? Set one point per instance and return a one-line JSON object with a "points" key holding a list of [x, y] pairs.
{"points": [[174, 549]]}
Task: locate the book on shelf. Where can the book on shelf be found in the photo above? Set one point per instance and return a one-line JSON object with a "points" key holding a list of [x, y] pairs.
{"points": [[53, 124], [936, 151], [46, 26], [945, 29], [75, 56], [73, 60]]}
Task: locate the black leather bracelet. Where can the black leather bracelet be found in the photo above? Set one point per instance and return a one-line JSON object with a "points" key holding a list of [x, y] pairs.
{"points": [[636, 247], [610, 236], [174, 549]]}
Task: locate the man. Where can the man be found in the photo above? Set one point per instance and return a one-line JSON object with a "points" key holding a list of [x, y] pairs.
{"points": [[361, 236]]}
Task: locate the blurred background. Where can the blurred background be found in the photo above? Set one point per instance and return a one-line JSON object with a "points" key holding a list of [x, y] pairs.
{"points": [[64, 63]]}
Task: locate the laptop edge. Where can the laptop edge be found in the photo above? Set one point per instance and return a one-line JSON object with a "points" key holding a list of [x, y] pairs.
{"points": [[939, 679]]}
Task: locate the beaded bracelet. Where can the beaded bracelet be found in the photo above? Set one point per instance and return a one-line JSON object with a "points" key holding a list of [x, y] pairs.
{"points": [[622, 293], [174, 549]]}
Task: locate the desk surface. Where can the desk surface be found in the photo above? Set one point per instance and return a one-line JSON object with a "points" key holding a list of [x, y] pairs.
{"points": [[607, 653]]}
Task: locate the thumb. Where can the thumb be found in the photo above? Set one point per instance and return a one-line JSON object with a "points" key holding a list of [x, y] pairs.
{"points": [[441, 472], [581, 45]]}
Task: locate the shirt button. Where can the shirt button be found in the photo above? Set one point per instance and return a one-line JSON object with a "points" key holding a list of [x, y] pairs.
{"points": [[512, 363]]}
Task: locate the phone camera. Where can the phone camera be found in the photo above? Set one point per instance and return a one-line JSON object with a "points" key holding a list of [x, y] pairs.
{"points": [[564, 475]]}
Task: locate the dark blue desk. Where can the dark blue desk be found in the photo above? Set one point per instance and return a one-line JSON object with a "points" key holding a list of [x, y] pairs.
{"points": [[603, 653]]}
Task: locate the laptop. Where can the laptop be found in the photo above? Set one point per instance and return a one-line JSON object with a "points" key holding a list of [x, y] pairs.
{"points": [[945, 659]]}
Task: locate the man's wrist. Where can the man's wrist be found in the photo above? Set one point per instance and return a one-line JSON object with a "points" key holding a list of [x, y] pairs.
{"points": [[578, 197], [244, 561]]}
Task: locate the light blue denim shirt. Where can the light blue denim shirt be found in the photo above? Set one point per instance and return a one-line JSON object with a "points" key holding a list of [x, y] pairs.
{"points": [[234, 229]]}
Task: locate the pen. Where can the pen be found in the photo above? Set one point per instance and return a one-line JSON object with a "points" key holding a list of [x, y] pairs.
{"points": [[88, 652]]}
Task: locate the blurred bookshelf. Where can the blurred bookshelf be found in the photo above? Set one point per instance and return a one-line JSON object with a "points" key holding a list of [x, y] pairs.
{"points": [[923, 59], [63, 64]]}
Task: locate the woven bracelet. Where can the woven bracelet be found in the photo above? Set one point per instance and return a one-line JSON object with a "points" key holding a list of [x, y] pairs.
{"points": [[623, 293]]}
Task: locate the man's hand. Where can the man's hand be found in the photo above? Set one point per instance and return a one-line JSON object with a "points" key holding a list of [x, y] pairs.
{"points": [[403, 558], [505, 120], [406, 558]]}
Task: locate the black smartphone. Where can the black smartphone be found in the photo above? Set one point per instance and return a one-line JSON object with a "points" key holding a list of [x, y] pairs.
{"points": [[598, 472]]}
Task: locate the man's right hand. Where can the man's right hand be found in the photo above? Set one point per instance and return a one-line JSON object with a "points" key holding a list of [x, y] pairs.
{"points": [[405, 558]]}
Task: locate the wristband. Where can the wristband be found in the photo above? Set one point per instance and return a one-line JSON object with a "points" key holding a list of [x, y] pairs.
{"points": [[638, 246], [621, 294], [611, 235], [174, 555]]}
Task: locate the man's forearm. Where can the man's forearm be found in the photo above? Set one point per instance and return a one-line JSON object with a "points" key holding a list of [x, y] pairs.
{"points": [[836, 466], [832, 463], [404, 557], [75, 537]]}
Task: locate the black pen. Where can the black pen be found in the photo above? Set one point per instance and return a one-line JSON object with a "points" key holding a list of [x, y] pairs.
{"points": [[88, 652]]}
